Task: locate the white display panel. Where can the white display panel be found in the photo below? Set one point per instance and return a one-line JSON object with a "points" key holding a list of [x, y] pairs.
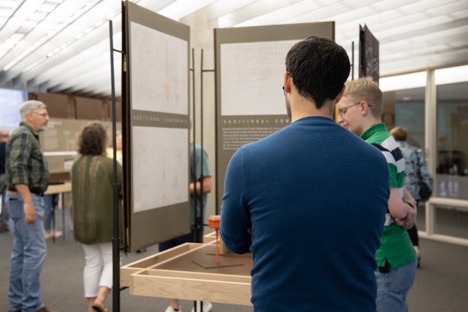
{"points": [[162, 63], [260, 72], [160, 167], [250, 67]]}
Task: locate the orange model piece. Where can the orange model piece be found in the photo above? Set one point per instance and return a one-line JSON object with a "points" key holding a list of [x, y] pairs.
{"points": [[213, 223]]}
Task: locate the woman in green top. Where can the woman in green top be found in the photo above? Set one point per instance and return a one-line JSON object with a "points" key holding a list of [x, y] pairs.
{"points": [[92, 189]]}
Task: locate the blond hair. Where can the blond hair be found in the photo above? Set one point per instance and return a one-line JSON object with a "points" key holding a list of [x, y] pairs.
{"points": [[367, 90]]}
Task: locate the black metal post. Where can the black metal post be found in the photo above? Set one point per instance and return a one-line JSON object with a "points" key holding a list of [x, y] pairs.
{"points": [[352, 60], [116, 234]]}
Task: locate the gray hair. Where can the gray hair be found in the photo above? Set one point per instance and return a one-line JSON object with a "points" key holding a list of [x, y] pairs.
{"points": [[30, 107]]}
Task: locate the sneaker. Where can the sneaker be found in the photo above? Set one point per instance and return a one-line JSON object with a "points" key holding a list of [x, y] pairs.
{"points": [[171, 309], [50, 234], [206, 306], [43, 309]]}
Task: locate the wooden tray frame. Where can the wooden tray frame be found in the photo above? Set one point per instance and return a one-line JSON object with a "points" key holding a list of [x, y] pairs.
{"points": [[145, 278]]}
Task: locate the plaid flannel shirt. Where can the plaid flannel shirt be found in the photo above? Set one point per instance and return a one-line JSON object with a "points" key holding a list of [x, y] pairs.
{"points": [[25, 162]]}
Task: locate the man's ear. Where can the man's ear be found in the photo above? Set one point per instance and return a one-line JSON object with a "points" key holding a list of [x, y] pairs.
{"points": [[367, 107], [287, 82], [29, 117]]}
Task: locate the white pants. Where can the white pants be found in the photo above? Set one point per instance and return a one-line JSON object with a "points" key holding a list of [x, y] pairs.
{"points": [[98, 268]]}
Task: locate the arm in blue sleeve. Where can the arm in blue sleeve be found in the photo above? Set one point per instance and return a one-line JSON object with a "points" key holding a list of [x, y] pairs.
{"points": [[235, 216]]}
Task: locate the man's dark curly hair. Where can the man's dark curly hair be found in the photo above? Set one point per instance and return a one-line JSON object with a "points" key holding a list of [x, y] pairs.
{"points": [[92, 139], [319, 68]]}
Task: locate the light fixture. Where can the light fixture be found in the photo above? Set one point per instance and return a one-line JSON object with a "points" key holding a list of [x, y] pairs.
{"points": [[451, 75], [401, 82], [10, 43]]}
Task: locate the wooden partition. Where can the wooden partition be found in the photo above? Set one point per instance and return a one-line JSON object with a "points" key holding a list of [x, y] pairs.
{"points": [[58, 105]]}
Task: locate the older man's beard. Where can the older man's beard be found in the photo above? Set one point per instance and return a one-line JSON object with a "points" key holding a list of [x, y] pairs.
{"points": [[42, 128], [288, 108]]}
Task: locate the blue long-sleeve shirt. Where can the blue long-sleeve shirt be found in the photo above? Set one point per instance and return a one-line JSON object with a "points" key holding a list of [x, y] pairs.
{"points": [[309, 202]]}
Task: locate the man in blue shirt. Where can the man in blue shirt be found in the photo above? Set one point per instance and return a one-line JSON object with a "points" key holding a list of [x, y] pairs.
{"points": [[308, 201]]}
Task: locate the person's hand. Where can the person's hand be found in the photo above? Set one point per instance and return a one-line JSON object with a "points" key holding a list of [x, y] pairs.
{"points": [[29, 212], [410, 220], [413, 204]]}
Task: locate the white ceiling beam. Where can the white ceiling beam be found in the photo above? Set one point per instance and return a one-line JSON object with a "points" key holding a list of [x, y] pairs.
{"points": [[182, 8], [81, 62], [38, 35], [281, 15], [66, 60], [256, 8], [223, 7], [87, 75]]}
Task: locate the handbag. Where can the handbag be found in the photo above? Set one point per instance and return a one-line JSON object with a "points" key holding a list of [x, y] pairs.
{"points": [[424, 191]]}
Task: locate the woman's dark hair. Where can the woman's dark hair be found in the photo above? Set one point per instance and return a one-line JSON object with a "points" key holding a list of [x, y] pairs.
{"points": [[92, 139], [319, 68]]}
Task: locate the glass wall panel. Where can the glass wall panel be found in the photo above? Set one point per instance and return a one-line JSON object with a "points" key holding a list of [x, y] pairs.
{"points": [[451, 221], [421, 217], [405, 108], [452, 142]]}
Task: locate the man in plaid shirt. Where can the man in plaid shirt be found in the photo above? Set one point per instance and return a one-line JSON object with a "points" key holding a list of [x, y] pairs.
{"points": [[27, 177]]}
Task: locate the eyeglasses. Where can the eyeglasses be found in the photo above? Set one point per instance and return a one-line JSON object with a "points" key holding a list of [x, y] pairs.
{"points": [[342, 111], [42, 114]]}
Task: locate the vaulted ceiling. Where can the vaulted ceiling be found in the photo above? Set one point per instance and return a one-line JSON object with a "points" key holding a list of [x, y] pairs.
{"points": [[63, 45]]}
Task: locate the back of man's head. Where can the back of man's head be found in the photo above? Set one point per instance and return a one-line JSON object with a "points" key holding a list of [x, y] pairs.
{"points": [[366, 89], [319, 68]]}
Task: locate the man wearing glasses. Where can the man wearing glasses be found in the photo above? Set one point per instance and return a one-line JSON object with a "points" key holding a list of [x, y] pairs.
{"points": [[27, 178], [360, 111]]}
